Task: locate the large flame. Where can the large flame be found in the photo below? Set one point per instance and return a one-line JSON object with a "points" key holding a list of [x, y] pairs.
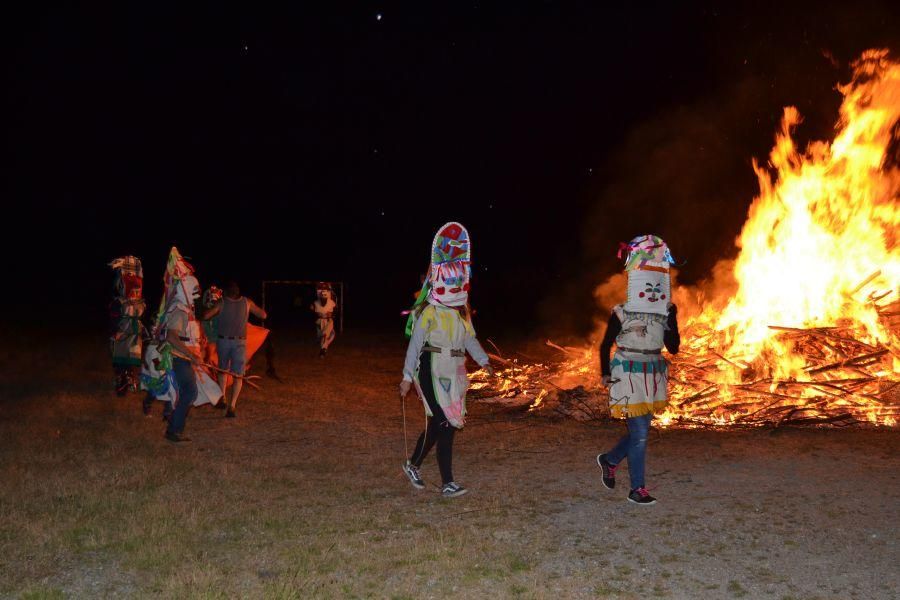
{"points": [[807, 332], [826, 220], [820, 236]]}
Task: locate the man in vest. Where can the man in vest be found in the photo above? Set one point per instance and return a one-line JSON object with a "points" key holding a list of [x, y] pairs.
{"points": [[232, 312]]}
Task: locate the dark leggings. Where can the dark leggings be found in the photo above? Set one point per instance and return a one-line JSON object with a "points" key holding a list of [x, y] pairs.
{"points": [[439, 430]]}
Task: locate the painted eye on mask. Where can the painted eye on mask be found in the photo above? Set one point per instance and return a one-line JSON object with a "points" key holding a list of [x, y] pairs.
{"points": [[440, 291], [466, 288]]}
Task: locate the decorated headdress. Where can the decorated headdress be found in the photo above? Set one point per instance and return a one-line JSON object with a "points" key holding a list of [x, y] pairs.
{"points": [[129, 282], [647, 265], [211, 296], [450, 270], [451, 266], [181, 288]]}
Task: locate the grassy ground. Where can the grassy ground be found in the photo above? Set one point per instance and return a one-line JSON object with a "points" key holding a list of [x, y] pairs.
{"points": [[302, 496]]}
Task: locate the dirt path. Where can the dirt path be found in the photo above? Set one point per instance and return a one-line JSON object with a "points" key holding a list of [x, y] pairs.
{"points": [[302, 496]]}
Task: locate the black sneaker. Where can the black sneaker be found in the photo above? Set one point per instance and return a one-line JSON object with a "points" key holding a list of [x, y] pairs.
{"points": [[413, 473], [641, 496], [609, 472], [230, 414], [452, 490], [176, 437]]}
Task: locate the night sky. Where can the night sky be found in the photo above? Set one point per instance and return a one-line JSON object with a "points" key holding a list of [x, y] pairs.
{"points": [[307, 144]]}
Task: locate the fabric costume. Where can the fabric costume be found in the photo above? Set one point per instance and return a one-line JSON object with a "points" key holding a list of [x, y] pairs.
{"points": [[211, 296], [125, 311], [440, 333], [166, 377], [638, 372], [324, 307]]}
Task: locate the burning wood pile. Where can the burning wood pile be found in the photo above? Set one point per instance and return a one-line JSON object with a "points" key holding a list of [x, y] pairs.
{"points": [[782, 336], [841, 379]]}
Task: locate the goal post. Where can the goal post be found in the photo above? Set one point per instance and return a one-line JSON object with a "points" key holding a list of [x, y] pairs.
{"points": [[338, 286]]}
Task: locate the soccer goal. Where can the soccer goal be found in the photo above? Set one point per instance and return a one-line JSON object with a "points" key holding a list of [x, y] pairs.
{"points": [[290, 299]]}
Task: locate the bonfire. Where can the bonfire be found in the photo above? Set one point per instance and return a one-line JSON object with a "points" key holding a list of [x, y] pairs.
{"points": [[803, 328]]}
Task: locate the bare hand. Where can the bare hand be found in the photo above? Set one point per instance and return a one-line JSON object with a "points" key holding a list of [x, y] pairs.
{"points": [[605, 380], [489, 369], [404, 388]]}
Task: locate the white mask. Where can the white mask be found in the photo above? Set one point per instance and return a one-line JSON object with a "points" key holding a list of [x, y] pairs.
{"points": [[648, 292], [187, 292], [450, 284]]}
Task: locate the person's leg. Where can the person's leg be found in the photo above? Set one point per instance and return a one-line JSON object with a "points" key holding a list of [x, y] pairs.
{"points": [[638, 430], [620, 450], [424, 445], [238, 362], [445, 435], [186, 380], [224, 349], [432, 431]]}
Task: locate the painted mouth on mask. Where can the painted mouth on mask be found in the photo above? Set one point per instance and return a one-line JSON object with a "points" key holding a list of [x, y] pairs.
{"points": [[652, 299]]}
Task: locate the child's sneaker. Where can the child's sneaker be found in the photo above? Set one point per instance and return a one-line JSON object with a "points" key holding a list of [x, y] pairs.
{"points": [[609, 472], [641, 496], [452, 490], [413, 473]]}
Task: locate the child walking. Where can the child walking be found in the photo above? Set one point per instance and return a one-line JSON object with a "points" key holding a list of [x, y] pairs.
{"points": [[638, 375], [440, 333]]}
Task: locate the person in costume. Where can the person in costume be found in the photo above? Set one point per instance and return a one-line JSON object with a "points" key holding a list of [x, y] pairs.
{"points": [[232, 313], [638, 376], [126, 310], [324, 306], [173, 364], [440, 333], [211, 297]]}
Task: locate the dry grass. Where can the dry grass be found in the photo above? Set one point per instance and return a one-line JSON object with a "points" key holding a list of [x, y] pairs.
{"points": [[302, 497]]}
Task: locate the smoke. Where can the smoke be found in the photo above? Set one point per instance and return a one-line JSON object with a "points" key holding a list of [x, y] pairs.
{"points": [[685, 174]]}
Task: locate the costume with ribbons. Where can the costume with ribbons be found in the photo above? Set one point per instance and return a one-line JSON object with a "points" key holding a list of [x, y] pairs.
{"points": [[125, 311], [181, 292], [440, 326], [640, 328]]}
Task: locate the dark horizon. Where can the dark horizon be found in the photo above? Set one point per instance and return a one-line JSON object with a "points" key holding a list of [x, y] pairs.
{"points": [[315, 144]]}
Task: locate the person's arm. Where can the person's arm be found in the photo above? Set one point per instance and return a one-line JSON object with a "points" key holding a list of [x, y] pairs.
{"points": [[413, 351], [212, 311], [256, 311], [671, 336], [613, 328], [473, 347]]}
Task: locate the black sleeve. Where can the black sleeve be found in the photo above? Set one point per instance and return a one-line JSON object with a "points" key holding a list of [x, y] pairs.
{"points": [[671, 337], [613, 328]]}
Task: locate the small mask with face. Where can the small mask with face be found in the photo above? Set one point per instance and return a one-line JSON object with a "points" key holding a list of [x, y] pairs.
{"points": [[648, 292]]}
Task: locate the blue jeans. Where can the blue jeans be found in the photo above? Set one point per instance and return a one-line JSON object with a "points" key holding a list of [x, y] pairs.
{"points": [[186, 382], [634, 447]]}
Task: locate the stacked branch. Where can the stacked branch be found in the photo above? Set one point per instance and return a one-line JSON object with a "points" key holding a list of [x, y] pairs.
{"points": [[843, 381]]}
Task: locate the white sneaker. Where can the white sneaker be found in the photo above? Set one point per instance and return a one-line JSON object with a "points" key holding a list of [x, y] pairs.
{"points": [[452, 490], [413, 473]]}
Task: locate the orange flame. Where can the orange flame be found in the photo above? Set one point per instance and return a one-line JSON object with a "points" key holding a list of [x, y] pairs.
{"points": [[825, 219]]}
